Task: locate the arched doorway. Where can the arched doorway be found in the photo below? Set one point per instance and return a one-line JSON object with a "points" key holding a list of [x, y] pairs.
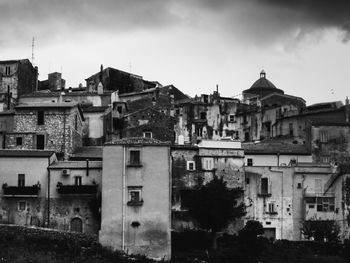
{"points": [[76, 225]]}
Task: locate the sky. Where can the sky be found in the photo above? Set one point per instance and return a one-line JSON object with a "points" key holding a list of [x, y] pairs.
{"points": [[303, 45]]}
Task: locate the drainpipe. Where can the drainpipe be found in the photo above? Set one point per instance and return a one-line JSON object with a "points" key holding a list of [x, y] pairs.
{"points": [[123, 201], [87, 167], [8, 98], [282, 192], [48, 197], [278, 159]]}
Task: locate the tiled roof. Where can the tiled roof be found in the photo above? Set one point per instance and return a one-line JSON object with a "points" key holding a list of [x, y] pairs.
{"points": [[76, 165], [25, 153], [88, 152], [274, 148], [138, 141]]}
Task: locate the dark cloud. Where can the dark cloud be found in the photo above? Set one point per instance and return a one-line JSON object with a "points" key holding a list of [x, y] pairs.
{"points": [[262, 21]]}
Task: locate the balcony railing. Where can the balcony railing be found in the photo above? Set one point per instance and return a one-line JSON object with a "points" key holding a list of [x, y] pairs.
{"points": [[77, 189], [24, 191]]}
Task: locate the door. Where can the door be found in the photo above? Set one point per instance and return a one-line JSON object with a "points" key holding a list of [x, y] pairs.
{"points": [[40, 141], [76, 225]]}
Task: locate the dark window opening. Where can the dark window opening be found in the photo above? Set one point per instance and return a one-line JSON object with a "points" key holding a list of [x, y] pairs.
{"points": [[21, 180], [40, 142], [77, 180], [203, 115], [19, 141], [135, 158], [40, 118], [264, 186], [249, 162], [120, 109]]}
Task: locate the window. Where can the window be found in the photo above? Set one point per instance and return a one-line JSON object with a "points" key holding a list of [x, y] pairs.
{"points": [[134, 157], [208, 163], [232, 118], [325, 204], [21, 180], [40, 117], [40, 141], [135, 195], [22, 205], [272, 208], [7, 70], [147, 134], [264, 186], [299, 186], [191, 166], [323, 136], [77, 180], [19, 141], [120, 109], [324, 159], [291, 129], [203, 115], [249, 162], [247, 181]]}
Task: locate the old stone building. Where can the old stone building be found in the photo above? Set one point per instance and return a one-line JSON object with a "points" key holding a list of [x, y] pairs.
{"points": [[54, 82], [114, 79], [149, 122], [17, 77], [136, 197], [49, 126], [75, 196]]}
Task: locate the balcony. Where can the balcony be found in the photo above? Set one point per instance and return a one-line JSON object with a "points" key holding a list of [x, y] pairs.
{"points": [[21, 191], [77, 189]]}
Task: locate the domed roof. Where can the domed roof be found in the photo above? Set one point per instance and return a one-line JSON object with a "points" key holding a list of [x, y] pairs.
{"points": [[262, 87]]}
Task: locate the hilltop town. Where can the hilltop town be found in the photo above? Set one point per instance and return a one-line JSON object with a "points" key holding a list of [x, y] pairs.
{"points": [[119, 156]]}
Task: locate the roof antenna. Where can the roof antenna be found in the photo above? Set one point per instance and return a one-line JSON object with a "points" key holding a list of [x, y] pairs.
{"points": [[33, 51]]}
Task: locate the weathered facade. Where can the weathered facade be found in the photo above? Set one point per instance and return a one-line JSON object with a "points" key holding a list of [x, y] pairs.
{"points": [[151, 123], [24, 181], [136, 196], [75, 196], [17, 77], [54, 126], [197, 165]]}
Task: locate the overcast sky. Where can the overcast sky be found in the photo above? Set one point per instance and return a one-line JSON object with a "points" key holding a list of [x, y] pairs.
{"points": [[303, 45]]}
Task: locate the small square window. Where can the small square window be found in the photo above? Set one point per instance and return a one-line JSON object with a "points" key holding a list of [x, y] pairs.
{"points": [[312, 206], [135, 196], [247, 181], [134, 157], [232, 118], [249, 162], [147, 134], [19, 141], [191, 166], [22, 205], [299, 186]]}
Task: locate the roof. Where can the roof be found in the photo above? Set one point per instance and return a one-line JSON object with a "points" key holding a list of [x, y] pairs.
{"points": [[262, 85], [138, 141], [76, 165], [88, 152], [275, 148], [47, 105], [26, 153], [95, 109], [7, 112]]}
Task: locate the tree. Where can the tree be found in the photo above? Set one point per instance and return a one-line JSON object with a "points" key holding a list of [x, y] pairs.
{"points": [[214, 206], [327, 230]]}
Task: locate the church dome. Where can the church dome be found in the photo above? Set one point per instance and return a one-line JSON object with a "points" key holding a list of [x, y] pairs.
{"points": [[262, 87]]}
